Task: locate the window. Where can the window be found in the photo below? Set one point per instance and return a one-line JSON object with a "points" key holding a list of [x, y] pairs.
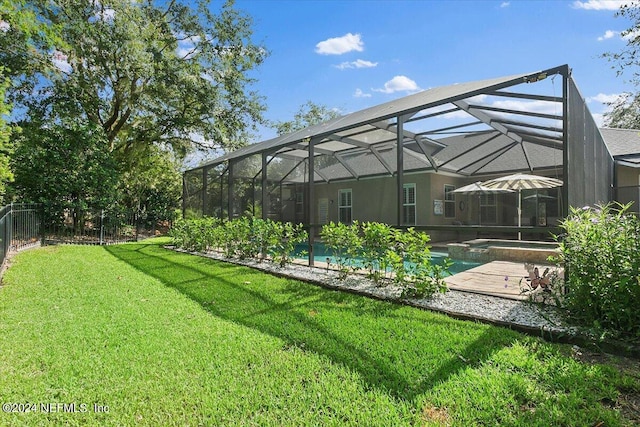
{"points": [[299, 203], [344, 206], [409, 204], [488, 209], [449, 201]]}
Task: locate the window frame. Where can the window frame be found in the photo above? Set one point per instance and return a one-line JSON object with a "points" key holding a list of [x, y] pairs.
{"points": [[406, 204], [345, 208], [484, 205], [449, 201]]}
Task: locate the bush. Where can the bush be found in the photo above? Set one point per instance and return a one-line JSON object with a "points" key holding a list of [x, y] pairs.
{"points": [[377, 239], [283, 240], [241, 238], [195, 234], [387, 253], [416, 272], [600, 250], [345, 243]]}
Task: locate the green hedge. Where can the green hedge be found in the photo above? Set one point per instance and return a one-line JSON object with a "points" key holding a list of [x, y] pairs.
{"points": [[600, 249], [386, 253], [241, 238]]}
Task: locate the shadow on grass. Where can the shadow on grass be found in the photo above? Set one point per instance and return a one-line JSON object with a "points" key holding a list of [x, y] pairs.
{"points": [[402, 350]]}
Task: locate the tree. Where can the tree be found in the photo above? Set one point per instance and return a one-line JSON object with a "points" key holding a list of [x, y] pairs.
{"points": [[5, 134], [150, 74], [66, 167], [152, 186], [157, 79], [21, 34], [625, 111], [308, 114]]}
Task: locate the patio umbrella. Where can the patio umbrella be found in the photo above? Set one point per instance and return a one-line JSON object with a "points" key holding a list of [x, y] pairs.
{"points": [[539, 197], [479, 189], [519, 182]]}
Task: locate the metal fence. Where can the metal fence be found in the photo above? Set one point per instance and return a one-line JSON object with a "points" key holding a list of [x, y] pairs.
{"points": [[24, 225], [20, 227], [93, 227]]}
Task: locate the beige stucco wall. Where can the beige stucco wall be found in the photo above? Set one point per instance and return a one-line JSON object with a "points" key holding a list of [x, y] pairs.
{"points": [[627, 176], [375, 199], [628, 186]]}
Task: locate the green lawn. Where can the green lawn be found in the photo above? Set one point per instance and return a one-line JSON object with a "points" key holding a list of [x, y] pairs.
{"points": [[161, 338]]}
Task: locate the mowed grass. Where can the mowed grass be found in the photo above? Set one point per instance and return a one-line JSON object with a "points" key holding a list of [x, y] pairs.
{"points": [[154, 337]]}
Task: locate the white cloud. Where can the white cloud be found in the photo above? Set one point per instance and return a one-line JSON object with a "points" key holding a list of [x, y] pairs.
{"points": [[630, 35], [106, 15], [605, 98], [399, 84], [59, 60], [599, 119], [544, 107], [625, 35], [4, 26], [360, 94], [599, 4], [505, 4], [186, 46], [339, 45], [359, 63], [609, 34]]}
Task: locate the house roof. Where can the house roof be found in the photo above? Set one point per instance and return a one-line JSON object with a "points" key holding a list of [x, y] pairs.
{"points": [[621, 141], [624, 145], [512, 123]]}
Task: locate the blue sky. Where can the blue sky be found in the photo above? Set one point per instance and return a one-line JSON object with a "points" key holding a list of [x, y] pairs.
{"points": [[350, 55]]}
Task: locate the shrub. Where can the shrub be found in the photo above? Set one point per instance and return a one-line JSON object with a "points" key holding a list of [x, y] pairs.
{"points": [[600, 248], [376, 241], [386, 252], [345, 243], [194, 234], [242, 238], [413, 267], [285, 237]]}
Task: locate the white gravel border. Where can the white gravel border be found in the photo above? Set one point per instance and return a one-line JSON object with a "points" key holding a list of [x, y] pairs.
{"points": [[540, 319]]}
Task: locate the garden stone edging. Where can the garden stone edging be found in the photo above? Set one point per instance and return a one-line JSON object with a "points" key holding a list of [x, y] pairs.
{"points": [[524, 316]]}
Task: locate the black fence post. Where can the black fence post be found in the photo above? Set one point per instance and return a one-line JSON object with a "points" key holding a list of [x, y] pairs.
{"points": [[101, 227], [7, 245], [42, 227]]}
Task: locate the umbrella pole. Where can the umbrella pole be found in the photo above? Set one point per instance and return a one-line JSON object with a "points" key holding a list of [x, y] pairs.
{"points": [[519, 214]]}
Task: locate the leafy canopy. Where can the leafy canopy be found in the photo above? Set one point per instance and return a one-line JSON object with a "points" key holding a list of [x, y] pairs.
{"points": [[308, 114], [151, 80], [21, 36], [65, 167], [625, 111], [147, 72]]}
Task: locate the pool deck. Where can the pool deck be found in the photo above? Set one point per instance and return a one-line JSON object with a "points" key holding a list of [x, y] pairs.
{"points": [[496, 278]]}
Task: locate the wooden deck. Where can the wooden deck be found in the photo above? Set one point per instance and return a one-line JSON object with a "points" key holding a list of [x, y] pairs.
{"points": [[496, 278]]}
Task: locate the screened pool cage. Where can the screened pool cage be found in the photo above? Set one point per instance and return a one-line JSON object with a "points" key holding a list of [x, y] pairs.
{"points": [[400, 162]]}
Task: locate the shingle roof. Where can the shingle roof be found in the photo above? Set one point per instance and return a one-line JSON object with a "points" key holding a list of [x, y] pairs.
{"points": [[621, 142]]}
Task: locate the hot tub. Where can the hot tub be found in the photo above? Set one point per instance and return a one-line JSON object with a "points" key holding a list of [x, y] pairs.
{"points": [[487, 250]]}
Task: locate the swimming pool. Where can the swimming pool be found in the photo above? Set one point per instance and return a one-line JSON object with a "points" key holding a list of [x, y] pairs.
{"points": [[321, 254]]}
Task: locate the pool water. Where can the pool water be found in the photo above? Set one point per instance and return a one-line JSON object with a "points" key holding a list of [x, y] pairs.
{"points": [[321, 254]]}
